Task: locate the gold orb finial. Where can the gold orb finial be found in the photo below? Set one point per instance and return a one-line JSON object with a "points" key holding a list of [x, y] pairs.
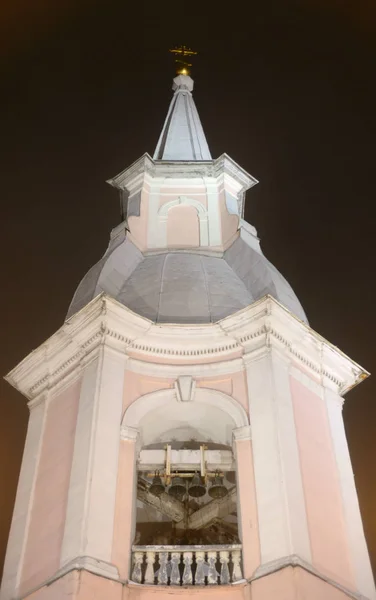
{"points": [[182, 66]]}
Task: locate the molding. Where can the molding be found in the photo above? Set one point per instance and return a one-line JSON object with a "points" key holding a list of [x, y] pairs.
{"points": [[148, 402], [132, 177], [307, 381], [194, 369], [42, 398], [295, 561], [93, 565], [333, 398], [200, 251], [182, 201], [157, 237], [264, 326]]}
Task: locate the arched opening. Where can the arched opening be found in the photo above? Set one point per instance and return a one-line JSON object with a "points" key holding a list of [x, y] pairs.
{"points": [[182, 444]]}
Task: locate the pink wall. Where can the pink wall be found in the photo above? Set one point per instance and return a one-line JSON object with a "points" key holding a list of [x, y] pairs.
{"points": [[248, 519], [287, 584], [186, 360], [93, 587], [294, 583], [234, 385], [124, 522], [213, 592], [42, 553], [65, 587], [136, 385], [183, 227], [329, 544], [80, 585]]}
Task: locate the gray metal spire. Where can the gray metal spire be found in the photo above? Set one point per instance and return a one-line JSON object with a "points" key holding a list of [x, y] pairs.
{"points": [[182, 136]]}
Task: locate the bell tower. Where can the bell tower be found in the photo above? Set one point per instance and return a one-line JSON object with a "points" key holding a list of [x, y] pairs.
{"points": [[186, 431]]}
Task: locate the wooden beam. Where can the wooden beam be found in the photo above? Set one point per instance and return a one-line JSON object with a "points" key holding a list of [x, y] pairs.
{"points": [[216, 460], [214, 510], [165, 504], [174, 509]]}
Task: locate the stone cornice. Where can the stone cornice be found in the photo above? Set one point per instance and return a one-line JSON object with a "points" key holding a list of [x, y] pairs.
{"points": [[262, 327], [134, 174]]}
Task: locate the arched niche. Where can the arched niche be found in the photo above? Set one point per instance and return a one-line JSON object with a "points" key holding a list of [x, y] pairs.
{"points": [[189, 212], [183, 227], [210, 416]]}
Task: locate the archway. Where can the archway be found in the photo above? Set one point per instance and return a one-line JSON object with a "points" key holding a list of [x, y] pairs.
{"points": [[186, 431]]}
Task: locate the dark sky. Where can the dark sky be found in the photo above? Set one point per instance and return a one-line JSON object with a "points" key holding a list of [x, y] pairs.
{"points": [[287, 89]]}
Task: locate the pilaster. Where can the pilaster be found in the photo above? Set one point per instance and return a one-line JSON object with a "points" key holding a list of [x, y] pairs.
{"points": [[289, 455], [126, 502], [282, 518], [23, 505], [154, 234], [246, 500], [92, 490], [214, 219], [357, 543]]}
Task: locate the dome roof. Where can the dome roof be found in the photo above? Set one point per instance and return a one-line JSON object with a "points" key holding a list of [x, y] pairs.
{"points": [[185, 286]]}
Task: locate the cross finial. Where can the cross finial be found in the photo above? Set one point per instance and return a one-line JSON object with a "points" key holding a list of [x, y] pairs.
{"points": [[182, 65]]}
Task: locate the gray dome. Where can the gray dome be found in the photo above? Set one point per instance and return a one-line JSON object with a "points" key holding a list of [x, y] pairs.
{"points": [[185, 287]]}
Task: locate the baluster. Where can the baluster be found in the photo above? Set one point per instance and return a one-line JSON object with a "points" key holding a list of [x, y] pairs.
{"points": [[200, 571], [212, 571], [150, 560], [187, 575], [175, 573], [237, 570], [162, 573], [224, 557], [138, 558]]}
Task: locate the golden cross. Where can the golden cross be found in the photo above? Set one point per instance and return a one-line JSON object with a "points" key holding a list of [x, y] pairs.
{"points": [[182, 67]]}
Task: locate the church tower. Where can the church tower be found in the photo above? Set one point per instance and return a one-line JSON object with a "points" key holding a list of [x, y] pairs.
{"points": [[186, 433]]}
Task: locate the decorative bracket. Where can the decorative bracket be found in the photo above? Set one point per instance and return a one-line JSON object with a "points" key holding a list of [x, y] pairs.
{"points": [[185, 388]]}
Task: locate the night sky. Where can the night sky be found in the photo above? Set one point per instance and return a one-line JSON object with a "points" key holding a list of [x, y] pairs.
{"points": [[287, 89]]}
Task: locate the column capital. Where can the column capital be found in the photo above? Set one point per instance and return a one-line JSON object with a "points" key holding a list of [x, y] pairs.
{"points": [[242, 433], [128, 433]]}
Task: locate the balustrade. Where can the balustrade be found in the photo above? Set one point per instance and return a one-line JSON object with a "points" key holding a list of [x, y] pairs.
{"points": [[187, 565]]}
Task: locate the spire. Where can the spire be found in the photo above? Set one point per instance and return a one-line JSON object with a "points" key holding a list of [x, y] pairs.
{"points": [[182, 136]]}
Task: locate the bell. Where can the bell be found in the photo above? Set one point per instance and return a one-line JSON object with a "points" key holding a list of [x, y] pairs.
{"points": [[157, 488], [178, 488], [196, 488], [217, 489]]}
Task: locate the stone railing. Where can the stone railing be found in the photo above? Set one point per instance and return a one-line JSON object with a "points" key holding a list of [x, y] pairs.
{"points": [[187, 565]]}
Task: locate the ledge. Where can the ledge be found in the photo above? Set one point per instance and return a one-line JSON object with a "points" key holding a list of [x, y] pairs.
{"points": [[262, 328]]}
